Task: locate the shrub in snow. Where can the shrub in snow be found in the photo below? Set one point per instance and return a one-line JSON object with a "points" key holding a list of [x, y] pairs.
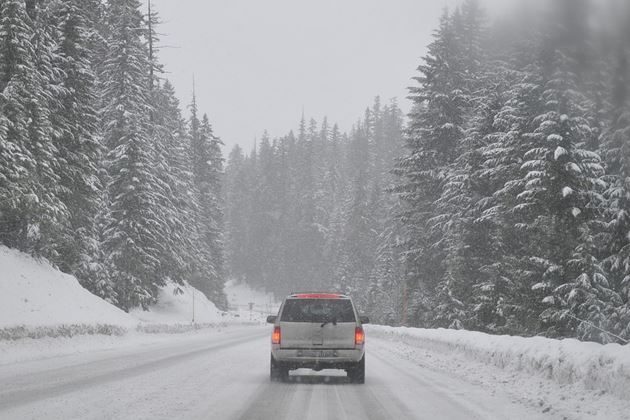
{"points": [[66, 331]]}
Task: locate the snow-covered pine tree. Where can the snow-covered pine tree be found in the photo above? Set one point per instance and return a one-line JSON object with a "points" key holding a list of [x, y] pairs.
{"points": [[360, 229], [136, 234], [504, 301], [44, 39], [323, 196], [203, 269], [16, 161], [263, 224], [287, 221], [78, 144], [236, 215], [559, 198], [501, 301], [217, 180], [384, 294], [308, 239], [207, 170], [434, 130], [385, 291], [468, 242], [172, 155], [616, 152], [326, 193], [31, 210]]}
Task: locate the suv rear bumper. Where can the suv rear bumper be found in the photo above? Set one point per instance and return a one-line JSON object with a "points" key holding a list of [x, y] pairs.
{"points": [[308, 358]]}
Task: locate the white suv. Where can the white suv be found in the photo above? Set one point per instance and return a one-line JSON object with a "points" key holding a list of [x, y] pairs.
{"points": [[318, 331]]}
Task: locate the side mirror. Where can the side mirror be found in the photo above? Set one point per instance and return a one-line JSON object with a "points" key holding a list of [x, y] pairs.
{"points": [[271, 319], [364, 319]]}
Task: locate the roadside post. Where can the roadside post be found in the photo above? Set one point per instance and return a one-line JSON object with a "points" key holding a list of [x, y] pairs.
{"points": [[251, 307]]}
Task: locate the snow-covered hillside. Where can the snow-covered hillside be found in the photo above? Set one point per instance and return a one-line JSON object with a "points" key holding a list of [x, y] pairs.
{"points": [[38, 300], [34, 294]]}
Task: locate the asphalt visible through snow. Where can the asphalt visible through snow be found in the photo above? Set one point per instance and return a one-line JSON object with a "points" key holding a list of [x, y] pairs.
{"points": [[226, 376]]}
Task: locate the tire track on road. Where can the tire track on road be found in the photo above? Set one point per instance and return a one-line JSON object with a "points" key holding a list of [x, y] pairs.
{"points": [[54, 383]]}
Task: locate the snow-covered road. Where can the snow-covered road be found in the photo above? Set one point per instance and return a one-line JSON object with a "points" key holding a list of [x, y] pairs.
{"points": [[225, 376]]}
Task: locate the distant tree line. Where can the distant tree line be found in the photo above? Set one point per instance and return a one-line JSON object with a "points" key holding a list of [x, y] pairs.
{"points": [[310, 210], [99, 171], [506, 211]]}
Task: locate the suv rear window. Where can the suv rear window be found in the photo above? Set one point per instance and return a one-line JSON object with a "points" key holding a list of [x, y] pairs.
{"points": [[317, 310]]}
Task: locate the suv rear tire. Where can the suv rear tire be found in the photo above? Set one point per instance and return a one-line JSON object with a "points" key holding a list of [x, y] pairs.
{"points": [[357, 373], [277, 372]]}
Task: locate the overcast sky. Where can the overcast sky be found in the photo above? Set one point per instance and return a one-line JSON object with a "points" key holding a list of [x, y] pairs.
{"points": [[258, 63]]}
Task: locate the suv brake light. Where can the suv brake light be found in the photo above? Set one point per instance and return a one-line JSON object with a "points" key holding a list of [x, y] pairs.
{"points": [[276, 337], [359, 336], [317, 296]]}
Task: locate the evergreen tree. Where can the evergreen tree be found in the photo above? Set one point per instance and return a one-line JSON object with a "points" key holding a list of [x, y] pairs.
{"points": [[353, 275], [559, 200], [468, 241], [32, 212], [207, 171], [136, 233], [172, 155], [616, 151], [435, 128], [237, 195], [77, 142]]}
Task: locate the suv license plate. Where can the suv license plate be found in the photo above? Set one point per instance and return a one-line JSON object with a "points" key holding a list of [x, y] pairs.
{"points": [[317, 353]]}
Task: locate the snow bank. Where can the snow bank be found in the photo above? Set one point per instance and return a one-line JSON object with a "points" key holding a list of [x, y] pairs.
{"points": [[37, 298], [568, 361]]}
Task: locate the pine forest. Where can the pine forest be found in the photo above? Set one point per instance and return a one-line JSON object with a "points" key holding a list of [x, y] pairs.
{"points": [[96, 159], [495, 198]]}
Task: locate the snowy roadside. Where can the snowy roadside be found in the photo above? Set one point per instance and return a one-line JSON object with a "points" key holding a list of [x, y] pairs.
{"points": [[46, 313], [30, 350], [557, 376]]}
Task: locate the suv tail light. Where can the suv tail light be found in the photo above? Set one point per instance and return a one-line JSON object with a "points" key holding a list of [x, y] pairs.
{"points": [[276, 337], [359, 336]]}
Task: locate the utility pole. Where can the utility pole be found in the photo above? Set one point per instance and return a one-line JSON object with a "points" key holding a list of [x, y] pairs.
{"points": [[151, 74], [194, 94], [193, 314], [404, 304]]}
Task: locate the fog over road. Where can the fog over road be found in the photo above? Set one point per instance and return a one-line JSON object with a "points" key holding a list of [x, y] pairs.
{"points": [[225, 376]]}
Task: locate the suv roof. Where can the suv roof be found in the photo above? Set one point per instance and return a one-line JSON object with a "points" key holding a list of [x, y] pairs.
{"points": [[317, 295]]}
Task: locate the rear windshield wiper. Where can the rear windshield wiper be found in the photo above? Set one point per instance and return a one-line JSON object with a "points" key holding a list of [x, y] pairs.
{"points": [[329, 320]]}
